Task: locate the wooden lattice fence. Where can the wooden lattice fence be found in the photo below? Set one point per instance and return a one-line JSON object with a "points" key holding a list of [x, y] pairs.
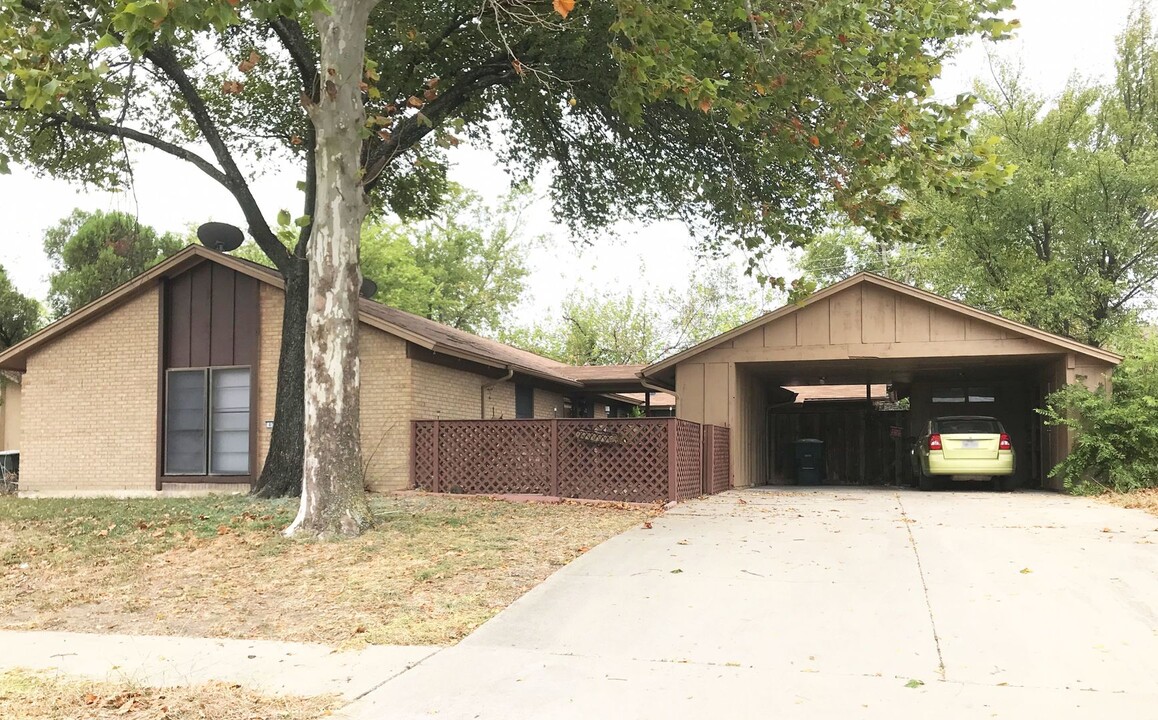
{"points": [[626, 460], [717, 459]]}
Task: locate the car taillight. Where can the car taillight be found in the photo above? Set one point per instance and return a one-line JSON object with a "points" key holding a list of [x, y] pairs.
{"points": [[1003, 443], [934, 442]]}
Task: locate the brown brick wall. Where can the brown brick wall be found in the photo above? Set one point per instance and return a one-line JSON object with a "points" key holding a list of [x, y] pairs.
{"points": [[9, 415], [268, 354], [90, 405], [385, 396], [548, 404], [449, 394], [385, 410]]}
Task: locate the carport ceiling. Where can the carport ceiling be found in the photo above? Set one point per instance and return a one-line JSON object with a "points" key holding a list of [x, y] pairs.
{"points": [[863, 371]]}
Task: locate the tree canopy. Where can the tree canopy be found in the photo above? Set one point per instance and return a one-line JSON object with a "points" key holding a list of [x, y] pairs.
{"points": [[465, 267], [735, 116], [625, 328], [1070, 245], [19, 314], [93, 253]]}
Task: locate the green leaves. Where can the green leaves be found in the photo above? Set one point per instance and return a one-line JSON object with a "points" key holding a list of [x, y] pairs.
{"points": [[93, 253], [20, 316], [1115, 435]]}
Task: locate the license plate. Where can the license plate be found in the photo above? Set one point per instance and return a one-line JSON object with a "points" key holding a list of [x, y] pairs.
{"points": [[970, 444]]}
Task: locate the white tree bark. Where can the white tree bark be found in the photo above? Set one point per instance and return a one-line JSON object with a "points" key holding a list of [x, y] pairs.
{"points": [[333, 497]]}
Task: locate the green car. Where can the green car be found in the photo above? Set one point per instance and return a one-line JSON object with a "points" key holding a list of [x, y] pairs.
{"points": [[964, 447]]}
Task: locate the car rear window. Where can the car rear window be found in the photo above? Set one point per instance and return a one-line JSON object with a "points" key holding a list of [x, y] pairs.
{"points": [[966, 425]]}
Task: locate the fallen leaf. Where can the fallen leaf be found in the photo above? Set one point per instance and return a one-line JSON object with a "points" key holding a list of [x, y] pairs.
{"points": [[1025, 571], [646, 525], [223, 530], [682, 542], [914, 683], [124, 709], [1107, 530], [563, 7], [742, 501], [677, 571]]}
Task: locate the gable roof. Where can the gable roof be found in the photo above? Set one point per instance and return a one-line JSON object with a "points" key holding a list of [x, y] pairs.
{"points": [[898, 287], [421, 331]]}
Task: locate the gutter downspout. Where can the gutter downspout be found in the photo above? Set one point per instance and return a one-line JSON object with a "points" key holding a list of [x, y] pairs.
{"points": [[650, 386], [482, 412]]}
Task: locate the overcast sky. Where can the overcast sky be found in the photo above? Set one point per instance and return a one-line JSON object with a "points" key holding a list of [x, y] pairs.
{"points": [[1058, 38]]}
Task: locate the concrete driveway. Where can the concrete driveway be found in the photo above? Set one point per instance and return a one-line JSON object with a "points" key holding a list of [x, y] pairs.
{"points": [[824, 603]]}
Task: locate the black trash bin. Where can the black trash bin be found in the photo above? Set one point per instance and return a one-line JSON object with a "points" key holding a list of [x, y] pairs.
{"points": [[810, 462]]}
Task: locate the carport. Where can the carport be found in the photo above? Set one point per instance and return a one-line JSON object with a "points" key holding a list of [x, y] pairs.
{"points": [[936, 357]]}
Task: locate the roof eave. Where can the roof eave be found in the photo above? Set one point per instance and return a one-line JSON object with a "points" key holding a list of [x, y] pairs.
{"points": [[884, 282]]}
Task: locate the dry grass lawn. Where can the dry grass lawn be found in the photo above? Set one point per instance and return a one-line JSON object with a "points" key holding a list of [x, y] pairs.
{"points": [[34, 696], [432, 570], [1141, 499]]}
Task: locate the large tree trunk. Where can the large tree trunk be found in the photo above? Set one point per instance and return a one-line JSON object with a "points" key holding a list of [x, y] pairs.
{"points": [[333, 497], [282, 474]]}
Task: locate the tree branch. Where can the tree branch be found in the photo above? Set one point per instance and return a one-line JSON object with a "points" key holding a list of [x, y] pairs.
{"points": [[406, 76], [145, 139], [409, 131], [163, 57], [290, 33]]}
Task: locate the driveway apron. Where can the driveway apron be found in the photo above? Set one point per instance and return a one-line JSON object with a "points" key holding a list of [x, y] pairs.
{"points": [[823, 603]]}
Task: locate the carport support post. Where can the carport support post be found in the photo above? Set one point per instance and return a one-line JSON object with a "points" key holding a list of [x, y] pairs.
{"points": [[436, 481], [673, 490], [555, 458]]}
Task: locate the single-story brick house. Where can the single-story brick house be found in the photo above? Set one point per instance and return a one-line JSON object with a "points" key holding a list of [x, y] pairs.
{"points": [[168, 383]]}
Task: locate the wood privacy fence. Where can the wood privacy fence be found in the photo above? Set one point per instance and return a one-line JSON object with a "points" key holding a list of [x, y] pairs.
{"points": [[626, 460]]}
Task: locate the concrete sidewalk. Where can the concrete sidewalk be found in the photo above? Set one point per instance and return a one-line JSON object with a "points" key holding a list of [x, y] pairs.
{"points": [[275, 668], [823, 603]]}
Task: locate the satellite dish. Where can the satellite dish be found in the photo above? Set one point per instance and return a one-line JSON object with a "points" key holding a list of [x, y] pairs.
{"points": [[221, 237], [369, 288]]}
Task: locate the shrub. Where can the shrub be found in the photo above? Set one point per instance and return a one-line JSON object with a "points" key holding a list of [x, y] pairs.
{"points": [[1116, 433]]}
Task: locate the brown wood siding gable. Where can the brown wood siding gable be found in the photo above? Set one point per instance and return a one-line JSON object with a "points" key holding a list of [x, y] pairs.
{"points": [[209, 317]]}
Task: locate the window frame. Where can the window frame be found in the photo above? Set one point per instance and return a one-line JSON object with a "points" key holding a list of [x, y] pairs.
{"points": [[208, 474]]}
